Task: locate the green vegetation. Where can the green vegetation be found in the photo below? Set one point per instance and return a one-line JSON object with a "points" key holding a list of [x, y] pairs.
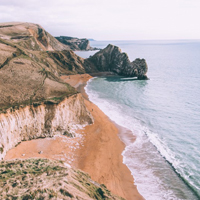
{"points": [[46, 66], [47, 179], [33, 167], [93, 189], [66, 193], [1, 150], [35, 103], [68, 134], [44, 72]]}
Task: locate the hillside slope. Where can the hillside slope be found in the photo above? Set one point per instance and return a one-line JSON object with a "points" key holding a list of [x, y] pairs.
{"points": [[46, 179], [29, 76], [35, 102], [76, 44], [31, 61], [30, 36]]}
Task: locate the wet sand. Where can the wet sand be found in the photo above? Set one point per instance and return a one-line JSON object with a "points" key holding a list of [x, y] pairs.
{"points": [[97, 149]]}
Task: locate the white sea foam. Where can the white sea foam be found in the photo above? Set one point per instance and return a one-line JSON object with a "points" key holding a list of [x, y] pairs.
{"points": [[165, 117], [149, 185]]}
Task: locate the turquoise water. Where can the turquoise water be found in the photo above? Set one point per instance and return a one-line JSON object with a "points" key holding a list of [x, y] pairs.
{"points": [[164, 114]]}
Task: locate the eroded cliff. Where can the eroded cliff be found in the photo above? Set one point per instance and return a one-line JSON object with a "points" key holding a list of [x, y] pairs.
{"points": [[43, 120]]}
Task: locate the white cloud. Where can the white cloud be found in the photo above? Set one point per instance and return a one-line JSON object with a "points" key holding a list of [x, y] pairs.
{"points": [[109, 19]]}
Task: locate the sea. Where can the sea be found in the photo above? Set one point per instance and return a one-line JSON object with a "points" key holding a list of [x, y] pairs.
{"points": [[163, 113]]}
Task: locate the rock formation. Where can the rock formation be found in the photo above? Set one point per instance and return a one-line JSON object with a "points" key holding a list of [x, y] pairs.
{"points": [[41, 120], [112, 59], [76, 43]]}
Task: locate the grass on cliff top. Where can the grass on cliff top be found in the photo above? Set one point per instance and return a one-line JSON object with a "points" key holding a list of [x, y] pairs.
{"points": [[47, 179], [52, 100], [46, 70], [34, 167], [93, 189]]}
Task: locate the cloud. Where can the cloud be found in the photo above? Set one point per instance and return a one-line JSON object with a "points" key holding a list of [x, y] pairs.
{"points": [[109, 19]]}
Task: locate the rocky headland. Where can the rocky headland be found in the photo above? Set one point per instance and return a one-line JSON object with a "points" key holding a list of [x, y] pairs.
{"points": [[35, 101], [76, 44], [112, 59]]}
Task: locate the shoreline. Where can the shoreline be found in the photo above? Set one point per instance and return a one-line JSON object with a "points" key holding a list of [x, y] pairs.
{"points": [[101, 155], [97, 150]]}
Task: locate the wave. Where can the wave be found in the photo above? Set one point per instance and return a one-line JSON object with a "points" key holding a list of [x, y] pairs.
{"points": [[143, 181], [135, 154], [177, 165]]}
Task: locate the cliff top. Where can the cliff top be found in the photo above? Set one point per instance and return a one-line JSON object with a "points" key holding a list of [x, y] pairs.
{"points": [[30, 36], [48, 179], [28, 72]]}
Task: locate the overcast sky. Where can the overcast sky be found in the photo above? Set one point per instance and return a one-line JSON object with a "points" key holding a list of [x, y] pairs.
{"points": [[109, 19]]}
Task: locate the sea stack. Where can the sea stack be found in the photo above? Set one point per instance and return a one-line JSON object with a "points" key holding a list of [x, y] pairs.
{"points": [[112, 59]]}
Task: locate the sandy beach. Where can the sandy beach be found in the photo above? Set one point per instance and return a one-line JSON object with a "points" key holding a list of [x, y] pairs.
{"points": [[97, 149]]}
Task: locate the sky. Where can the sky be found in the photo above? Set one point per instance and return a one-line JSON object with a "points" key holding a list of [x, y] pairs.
{"points": [[109, 19]]}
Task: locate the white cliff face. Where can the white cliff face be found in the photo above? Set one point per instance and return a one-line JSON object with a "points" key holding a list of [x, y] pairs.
{"points": [[44, 120]]}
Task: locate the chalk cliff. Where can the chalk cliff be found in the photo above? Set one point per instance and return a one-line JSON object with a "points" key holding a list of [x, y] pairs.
{"points": [[45, 120]]}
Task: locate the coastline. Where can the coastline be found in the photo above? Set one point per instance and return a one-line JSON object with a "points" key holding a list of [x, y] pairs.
{"points": [[97, 150], [101, 154]]}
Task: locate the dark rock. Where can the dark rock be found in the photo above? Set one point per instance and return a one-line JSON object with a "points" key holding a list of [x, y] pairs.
{"points": [[112, 59]]}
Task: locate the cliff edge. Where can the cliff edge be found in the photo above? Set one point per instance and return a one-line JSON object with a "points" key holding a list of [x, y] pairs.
{"points": [[47, 179]]}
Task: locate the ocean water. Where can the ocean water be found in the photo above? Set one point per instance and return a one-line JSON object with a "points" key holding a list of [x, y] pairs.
{"points": [[163, 113]]}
